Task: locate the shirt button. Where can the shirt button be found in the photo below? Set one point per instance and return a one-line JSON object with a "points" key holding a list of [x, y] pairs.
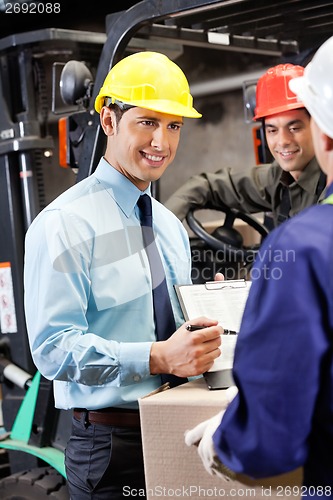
{"points": [[136, 378]]}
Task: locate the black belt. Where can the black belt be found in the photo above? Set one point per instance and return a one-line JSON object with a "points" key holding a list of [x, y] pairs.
{"points": [[115, 417]]}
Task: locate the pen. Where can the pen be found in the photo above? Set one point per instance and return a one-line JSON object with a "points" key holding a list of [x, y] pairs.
{"points": [[193, 328], [229, 332]]}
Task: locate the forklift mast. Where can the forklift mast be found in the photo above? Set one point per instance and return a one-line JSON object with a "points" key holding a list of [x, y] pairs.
{"points": [[34, 122], [28, 156]]}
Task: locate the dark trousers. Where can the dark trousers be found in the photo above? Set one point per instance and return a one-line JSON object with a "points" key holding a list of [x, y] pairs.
{"points": [[104, 462]]}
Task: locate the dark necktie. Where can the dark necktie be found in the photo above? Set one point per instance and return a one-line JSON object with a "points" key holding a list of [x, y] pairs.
{"points": [[163, 315]]}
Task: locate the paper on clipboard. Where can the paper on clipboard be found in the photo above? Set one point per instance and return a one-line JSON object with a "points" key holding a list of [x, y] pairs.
{"points": [[221, 300]]}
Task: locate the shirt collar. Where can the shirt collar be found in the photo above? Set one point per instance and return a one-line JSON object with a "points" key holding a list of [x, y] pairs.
{"points": [[122, 190], [306, 178]]}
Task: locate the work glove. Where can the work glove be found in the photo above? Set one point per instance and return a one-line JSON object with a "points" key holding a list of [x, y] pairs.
{"points": [[202, 437]]}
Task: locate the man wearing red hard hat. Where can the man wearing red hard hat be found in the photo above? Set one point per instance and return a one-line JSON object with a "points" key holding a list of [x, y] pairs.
{"points": [[292, 182], [101, 261]]}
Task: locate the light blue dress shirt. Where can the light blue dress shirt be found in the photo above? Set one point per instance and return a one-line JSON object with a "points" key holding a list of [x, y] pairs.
{"points": [[88, 299]]}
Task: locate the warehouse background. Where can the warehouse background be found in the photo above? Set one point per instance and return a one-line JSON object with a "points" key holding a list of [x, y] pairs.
{"points": [[220, 138]]}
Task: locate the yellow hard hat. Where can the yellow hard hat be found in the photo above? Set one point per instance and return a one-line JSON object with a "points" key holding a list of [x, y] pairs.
{"points": [[148, 80]]}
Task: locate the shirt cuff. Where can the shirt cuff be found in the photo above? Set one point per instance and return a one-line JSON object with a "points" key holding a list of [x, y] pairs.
{"points": [[134, 361]]}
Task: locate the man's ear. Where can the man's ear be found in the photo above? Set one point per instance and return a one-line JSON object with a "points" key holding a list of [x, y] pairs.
{"points": [[328, 143], [108, 120]]}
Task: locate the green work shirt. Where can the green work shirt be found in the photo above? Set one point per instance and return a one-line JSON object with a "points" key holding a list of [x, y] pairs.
{"points": [[254, 190]]}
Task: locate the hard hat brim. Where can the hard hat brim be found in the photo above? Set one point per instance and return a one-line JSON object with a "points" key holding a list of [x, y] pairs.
{"points": [[168, 107], [161, 106], [280, 109]]}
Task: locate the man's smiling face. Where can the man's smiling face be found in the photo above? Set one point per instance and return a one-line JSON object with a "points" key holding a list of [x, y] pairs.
{"points": [[143, 144], [288, 136]]}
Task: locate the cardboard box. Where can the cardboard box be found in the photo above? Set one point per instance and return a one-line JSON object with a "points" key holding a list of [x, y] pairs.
{"points": [[174, 469]]}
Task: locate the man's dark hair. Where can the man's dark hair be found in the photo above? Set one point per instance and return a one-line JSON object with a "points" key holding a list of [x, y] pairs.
{"points": [[118, 112]]}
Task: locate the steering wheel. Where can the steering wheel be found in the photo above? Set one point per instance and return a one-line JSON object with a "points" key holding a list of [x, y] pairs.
{"points": [[226, 238]]}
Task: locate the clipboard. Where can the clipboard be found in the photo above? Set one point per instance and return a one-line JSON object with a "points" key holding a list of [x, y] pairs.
{"points": [[224, 301]]}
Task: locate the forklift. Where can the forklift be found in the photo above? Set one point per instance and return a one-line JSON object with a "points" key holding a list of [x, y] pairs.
{"points": [[49, 79]]}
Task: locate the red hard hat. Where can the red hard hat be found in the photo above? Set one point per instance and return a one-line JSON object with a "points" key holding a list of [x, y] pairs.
{"points": [[273, 94]]}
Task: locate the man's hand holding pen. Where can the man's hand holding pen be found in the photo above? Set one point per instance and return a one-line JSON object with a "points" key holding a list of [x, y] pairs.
{"points": [[187, 355]]}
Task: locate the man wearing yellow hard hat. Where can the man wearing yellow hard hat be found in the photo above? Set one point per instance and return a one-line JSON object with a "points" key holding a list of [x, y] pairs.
{"points": [[101, 263]]}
